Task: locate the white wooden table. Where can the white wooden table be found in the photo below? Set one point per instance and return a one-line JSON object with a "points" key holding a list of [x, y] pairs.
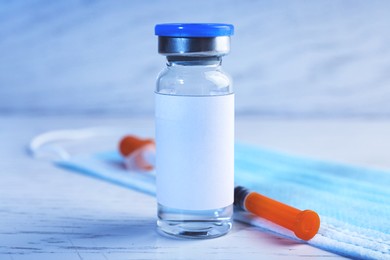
{"points": [[50, 213]]}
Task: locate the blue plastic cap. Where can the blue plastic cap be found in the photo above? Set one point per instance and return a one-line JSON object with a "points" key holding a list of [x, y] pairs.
{"points": [[193, 29]]}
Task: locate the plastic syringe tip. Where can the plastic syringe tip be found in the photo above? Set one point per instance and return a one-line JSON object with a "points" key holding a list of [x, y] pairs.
{"points": [[304, 224]]}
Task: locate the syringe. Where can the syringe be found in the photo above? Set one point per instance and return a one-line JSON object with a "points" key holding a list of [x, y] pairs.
{"points": [[139, 155]]}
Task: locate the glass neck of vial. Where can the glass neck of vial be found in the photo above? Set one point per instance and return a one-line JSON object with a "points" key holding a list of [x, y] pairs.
{"points": [[213, 61]]}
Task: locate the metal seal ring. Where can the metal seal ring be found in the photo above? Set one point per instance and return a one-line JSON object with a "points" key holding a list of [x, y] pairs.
{"points": [[194, 46]]}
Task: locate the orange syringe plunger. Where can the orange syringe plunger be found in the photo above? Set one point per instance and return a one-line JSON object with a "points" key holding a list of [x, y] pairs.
{"points": [[304, 224], [131, 143], [138, 153]]}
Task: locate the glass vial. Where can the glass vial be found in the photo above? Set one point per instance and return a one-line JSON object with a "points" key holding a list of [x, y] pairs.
{"points": [[194, 131]]}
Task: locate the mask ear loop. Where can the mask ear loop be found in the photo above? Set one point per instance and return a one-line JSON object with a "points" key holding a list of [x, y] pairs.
{"points": [[47, 146]]}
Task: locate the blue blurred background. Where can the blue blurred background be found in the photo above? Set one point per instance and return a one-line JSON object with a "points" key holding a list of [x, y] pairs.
{"points": [[289, 58]]}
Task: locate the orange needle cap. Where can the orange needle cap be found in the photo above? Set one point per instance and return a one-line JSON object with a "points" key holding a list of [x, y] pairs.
{"points": [[305, 224]]}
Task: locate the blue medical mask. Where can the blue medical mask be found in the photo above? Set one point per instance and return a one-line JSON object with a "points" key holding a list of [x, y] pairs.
{"points": [[353, 203]]}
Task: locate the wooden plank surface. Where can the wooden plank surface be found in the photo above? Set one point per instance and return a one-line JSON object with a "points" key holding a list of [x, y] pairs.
{"points": [[50, 213]]}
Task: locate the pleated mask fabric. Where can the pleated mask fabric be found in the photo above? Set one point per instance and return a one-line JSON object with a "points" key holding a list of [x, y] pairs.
{"points": [[353, 202]]}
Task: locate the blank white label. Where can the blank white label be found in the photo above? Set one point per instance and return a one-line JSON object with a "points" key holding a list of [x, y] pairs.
{"points": [[195, 151]]}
